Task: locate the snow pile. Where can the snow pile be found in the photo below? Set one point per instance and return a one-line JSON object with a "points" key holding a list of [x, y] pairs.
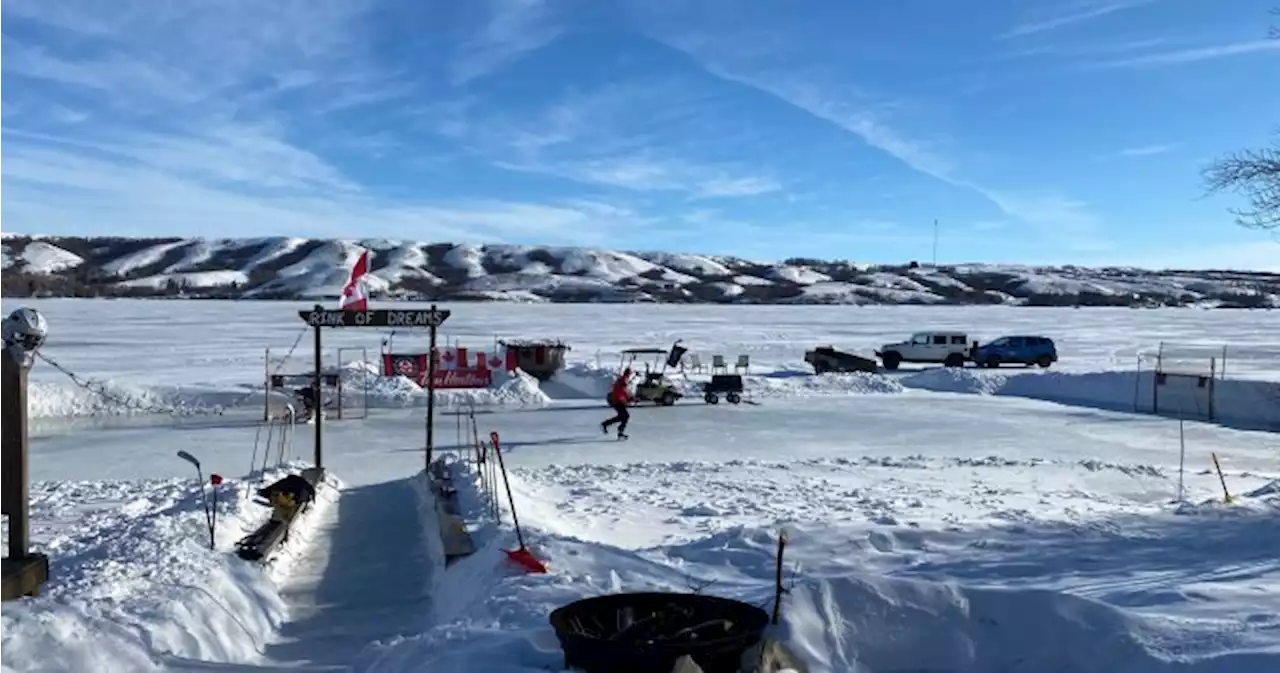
{"points": [[133, 584], [794, 383], [506, 388], [1264, 500], [61, 400], [582, 380]]}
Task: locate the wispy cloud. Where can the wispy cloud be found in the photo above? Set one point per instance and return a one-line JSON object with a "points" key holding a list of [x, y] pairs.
{"points": [[1104, 49], [509, 29], [142, 198], [1185, 56], [594, 137], [1075, 13], [1068, 222], [196, 127], [1149, 150]]}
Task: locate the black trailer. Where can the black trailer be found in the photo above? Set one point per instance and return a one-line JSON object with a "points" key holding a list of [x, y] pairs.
{"points": [[826, 359]]}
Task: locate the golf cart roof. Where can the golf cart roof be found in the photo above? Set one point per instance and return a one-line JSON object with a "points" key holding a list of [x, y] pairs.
{"points": [[646, 351]]}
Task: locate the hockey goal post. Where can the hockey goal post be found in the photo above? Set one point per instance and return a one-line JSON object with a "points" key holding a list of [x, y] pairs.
{"points": [[344, 388], [1184, 379]]}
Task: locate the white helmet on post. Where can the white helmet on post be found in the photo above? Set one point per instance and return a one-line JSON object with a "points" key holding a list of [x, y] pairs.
{"points": [[25, 328]]}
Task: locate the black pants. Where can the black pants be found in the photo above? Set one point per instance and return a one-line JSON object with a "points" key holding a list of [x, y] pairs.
{"points": [[621, 416]]}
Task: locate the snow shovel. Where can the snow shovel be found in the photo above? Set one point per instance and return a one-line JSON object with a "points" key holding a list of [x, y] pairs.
{"points": [[522, 556]]}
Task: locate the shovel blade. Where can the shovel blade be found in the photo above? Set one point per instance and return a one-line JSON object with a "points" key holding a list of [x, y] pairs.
{"points": [[525, 559]]}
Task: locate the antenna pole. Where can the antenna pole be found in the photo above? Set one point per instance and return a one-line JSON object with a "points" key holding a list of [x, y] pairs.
{"points": [[935, 241]]}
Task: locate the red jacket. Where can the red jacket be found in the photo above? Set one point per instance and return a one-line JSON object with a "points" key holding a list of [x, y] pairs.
{"points": [[619, 392]]}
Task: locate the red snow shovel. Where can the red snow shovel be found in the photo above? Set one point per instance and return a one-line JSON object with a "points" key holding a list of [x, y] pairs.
{"points": [[522, 556]]}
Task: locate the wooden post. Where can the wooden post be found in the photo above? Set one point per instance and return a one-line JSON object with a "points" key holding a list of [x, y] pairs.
{"points": [[24, 572], [1137, 386], [266, 385], [1213, 377], [1155, 380], [431, 392], [317, 414]]}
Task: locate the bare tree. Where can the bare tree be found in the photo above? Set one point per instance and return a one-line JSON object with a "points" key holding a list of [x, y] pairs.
{"points": [[1254, 174]]}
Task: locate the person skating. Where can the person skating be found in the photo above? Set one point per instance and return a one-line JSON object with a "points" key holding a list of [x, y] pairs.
{"points": [[619, 397]]}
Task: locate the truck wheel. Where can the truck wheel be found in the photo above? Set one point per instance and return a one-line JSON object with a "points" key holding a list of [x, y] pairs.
{"points": [[954, 360], [733, 398], [711, 398], [891, 360], [668, 398], [1044, 361]]}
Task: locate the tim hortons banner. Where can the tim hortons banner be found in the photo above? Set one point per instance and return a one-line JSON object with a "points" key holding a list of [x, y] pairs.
{"points": [[459, 367], [456, 367]]}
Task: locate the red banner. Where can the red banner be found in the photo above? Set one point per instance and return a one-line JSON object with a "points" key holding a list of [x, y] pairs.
{"points": [[462, 378]]}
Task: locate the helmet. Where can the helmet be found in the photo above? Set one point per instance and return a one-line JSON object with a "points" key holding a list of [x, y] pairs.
{"points": [[25, 328]]}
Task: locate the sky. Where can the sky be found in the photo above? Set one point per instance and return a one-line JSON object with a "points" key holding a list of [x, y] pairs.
{"points": [[1031, 131]]}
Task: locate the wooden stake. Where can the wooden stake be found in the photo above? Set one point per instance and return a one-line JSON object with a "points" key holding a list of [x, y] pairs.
{"points": [[24, 571]]}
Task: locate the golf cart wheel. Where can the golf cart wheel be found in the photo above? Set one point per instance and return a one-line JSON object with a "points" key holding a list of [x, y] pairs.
{"points": [[733, 398], [711, 398], [668, 398]]}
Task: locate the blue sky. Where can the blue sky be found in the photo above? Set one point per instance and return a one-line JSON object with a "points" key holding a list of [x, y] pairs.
{"points": [[1036, 131]]}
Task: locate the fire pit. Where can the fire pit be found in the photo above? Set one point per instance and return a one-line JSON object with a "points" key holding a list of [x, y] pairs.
{"points": [[647, 632]]}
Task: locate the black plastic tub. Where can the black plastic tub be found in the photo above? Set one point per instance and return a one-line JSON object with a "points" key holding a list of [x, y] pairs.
{"points": [[647, 632]]}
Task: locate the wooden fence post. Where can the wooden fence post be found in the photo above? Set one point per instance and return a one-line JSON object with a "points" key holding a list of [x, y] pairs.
{"points": [[24, 572]]}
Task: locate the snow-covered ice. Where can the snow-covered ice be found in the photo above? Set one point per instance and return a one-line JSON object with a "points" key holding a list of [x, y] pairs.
{"points": [[958, 521]]}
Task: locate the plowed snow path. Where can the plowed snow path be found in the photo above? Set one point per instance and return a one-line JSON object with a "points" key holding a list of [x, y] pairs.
{"points": [[365, 577]]}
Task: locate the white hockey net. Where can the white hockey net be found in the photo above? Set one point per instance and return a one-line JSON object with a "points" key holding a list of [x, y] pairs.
{"points": [[344, 383], [1184, 379]]}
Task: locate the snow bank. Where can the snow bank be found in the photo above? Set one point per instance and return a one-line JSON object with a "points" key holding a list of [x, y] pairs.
{"points": [[583, 379], [54, 400], [493, 617], [889, 624], [59, 399], [586, 380], [1253, 404], [134, 586]]}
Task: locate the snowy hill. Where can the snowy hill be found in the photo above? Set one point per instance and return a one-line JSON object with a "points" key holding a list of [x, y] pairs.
{"points": [[295, 268]]}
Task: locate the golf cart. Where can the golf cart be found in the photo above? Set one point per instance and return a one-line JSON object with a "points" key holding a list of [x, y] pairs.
{"points": [[654, 386]]}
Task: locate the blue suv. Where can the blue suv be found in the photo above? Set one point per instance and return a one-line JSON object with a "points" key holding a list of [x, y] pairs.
{"points": [[1024, 350]]}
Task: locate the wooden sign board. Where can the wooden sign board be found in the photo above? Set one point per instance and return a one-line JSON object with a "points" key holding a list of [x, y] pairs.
{"points": [[403, 318]]}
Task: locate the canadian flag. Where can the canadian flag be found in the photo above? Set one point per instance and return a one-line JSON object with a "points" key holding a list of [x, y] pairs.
{"points": [[354, 297]]}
